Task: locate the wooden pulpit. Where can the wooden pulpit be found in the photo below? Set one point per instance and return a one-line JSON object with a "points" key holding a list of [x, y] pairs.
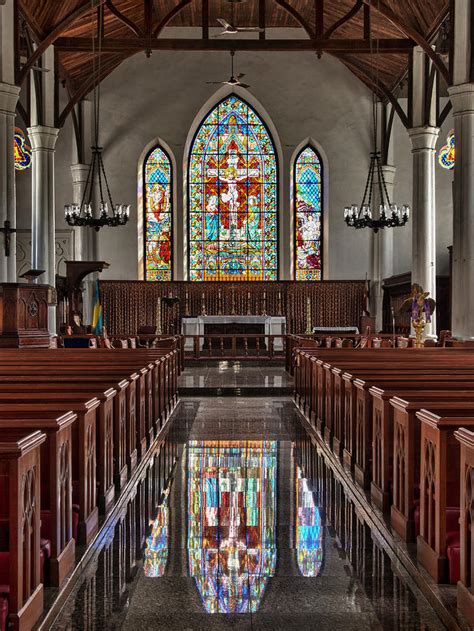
{"points": [[24, 315]]}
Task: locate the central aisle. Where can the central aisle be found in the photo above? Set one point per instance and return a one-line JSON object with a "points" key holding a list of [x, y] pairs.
{"points": [[241, 543]]}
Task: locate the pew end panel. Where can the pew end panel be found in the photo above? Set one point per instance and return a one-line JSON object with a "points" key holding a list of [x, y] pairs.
{"points": [[465, 587], [20, 458], [440, 488], [56, 487]]}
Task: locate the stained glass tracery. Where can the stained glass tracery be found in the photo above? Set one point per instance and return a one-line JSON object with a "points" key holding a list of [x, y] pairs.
{"points": [[308, 215], [158, 216], [232, 522], [233, 197]]}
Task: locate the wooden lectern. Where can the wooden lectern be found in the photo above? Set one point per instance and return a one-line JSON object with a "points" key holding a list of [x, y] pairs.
{"points": [[24, 315]]}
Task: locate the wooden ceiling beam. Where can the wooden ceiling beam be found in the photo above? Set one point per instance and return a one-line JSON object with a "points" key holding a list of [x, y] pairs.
{"points": [[170, 15], [124, 19], [297, 16], [412, 33], [378, 87], [57, 31], [127, 46], [345, 18]]}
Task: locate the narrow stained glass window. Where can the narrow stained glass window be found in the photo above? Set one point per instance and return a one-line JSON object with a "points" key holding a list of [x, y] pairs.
{"points": [[158, 216], [233, 197], [308, 215]]}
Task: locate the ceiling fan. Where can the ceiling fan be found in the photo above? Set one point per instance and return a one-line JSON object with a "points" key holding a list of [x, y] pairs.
{"points": [[230, 29], [234, 80]]}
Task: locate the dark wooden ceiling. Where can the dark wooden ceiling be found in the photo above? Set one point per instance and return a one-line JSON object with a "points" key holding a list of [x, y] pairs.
{"points": [[71, 25]]}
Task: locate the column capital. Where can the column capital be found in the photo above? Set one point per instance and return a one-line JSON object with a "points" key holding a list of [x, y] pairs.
{"points": [[423, 138], [389, 173], [43, 138], [79, 172], [462, 98], [8, 98]]}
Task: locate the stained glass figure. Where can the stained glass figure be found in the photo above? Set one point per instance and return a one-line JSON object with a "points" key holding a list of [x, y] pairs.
{"points": [[22, 151], [232, 522], [156, 550], [308, 215], [233, 197], [446, 156], [309, 531], [158, 216]]}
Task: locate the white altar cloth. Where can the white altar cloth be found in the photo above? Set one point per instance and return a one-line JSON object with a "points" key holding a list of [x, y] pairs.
{"points": [[273, 325]]}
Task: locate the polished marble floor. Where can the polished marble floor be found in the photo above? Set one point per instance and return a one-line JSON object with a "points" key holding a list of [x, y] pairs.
{"points": [[240, 540], [243, 540], [230, 375]]}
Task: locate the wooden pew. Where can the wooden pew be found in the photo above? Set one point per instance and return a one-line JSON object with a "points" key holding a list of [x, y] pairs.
{"points": [[56, 488], [406, 450], [439, 488], [390, 463], [357, 393], [21, 504], [84, 450], [465, 588], [50, 392]]}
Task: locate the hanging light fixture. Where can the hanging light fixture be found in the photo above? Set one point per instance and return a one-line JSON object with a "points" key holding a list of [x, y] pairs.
{"points": [[389, 214], [84, 214]]}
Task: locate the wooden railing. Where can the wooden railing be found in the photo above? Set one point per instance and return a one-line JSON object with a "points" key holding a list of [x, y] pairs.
{"points": [[242, 346]]}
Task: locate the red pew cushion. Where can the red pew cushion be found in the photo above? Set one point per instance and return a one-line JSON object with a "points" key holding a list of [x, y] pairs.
{"points": [[453, 552], [3, 613], [4, 568]]}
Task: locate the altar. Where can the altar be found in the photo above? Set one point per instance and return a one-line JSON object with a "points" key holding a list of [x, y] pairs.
{"points": [[233, 324]]}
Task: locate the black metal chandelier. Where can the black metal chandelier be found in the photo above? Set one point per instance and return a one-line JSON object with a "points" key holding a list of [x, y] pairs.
{"points": [[83, 214], [389, 215]]}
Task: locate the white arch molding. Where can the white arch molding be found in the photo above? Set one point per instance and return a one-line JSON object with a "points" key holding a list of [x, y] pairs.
{"points": [[310, 142], [157, 142], [208, 106]]}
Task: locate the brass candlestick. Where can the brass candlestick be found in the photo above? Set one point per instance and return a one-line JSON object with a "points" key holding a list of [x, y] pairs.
{"points": [[203, 305], [249, 311], [219, 303], [308, 316], [419, 326], [158, 317], [264, 308], [280, 310], [186, 304]]}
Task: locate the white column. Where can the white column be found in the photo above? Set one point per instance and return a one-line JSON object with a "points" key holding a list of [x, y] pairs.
{"points": [[8, 100], [43, 141], [423, 141], [79, 178], [382, 254], [462, 98], [9, 93]]}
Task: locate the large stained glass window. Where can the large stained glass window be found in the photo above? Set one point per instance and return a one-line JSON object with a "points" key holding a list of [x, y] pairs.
{"points": [[308, 215], [233, 197], [158, 215], [232, 522]]}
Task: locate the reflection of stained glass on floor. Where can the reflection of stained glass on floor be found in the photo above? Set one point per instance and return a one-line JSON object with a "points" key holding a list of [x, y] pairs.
{"points": [[156, 551], [309, 532], [232, 522]]}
